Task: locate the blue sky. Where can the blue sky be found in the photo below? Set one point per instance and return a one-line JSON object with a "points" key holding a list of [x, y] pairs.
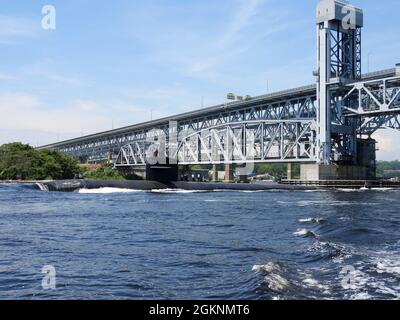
{"points": [[120, 62]]}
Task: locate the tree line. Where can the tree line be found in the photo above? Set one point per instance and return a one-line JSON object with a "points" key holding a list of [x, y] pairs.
{"points": [[22, 162], [388, 169]]}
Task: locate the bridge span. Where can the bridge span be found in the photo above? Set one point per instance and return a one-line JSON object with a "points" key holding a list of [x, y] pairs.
{"points": [[328, 126]]}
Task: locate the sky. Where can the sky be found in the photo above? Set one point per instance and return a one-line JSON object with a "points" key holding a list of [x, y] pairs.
{"points": [[110, 64]]}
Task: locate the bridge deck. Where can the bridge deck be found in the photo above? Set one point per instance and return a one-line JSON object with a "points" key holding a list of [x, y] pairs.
{"points": [[267, 98]]}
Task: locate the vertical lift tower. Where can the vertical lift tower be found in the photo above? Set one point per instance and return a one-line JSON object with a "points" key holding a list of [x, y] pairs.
{"points": [[340, 154]]}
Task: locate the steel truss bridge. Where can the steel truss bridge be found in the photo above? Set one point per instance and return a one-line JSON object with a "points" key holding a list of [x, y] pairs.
{"points": [[313, 124]]}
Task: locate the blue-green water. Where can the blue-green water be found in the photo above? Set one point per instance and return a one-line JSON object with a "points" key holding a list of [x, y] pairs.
{"points": [[200, 245]]}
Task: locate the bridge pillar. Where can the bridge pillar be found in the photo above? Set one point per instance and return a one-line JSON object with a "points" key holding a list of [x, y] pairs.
{"points": [[334, 171], [366, 156], [229, 173], [162, 172], [339, 62], [215, 173], [364, 169], [290, 171]]}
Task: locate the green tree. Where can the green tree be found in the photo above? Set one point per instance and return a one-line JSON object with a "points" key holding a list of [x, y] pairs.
{"points": [[59, 165], [104, 173], [277, 170], [388, 169], [21, 161]]}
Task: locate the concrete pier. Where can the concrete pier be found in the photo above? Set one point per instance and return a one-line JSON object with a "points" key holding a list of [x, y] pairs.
{"points": [[162, 173], [290, 171], [229, 173], [363, 167], [214, 173], [321, 172]]}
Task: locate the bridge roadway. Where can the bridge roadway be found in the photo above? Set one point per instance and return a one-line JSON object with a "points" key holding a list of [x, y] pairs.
{"points": [[297, 105]]}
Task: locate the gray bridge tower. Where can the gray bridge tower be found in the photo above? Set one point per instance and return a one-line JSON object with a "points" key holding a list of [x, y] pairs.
{"points": [[339, 27], [339, 63]]}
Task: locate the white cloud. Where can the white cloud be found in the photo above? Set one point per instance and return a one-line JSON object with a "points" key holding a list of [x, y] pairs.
{"points": [[231, 43], [22, 113], [7, 77], [27, 112], [50, 71], [246, 11], [12, 28], [206, 55], [67, 79], [387, 144]]}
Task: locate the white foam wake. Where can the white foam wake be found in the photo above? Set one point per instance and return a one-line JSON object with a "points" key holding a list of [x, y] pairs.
{"points": [[273, 276], [269, 267], [107, 190], [177, 191], [313, 220], [313, 283], [351, 190], [365, 189], [305, 233]]}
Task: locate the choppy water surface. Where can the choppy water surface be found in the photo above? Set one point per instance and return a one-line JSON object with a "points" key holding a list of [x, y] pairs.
{"points": [[208, 245]]}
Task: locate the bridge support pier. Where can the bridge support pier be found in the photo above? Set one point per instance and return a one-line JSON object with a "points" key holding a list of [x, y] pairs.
{"points": [[363, 169], [162, 173], [322, 172], [229, 173], [214, 173], [290, 171]]}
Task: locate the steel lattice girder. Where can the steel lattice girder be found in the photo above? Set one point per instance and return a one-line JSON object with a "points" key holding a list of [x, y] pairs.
{"points": [[297, 107], [296, 104], [383, 121], [239, 142], [252, 141], [376, 103], [373, 97]]}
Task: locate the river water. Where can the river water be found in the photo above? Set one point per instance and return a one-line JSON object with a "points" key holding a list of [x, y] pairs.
{"points": [[105, 244]]}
